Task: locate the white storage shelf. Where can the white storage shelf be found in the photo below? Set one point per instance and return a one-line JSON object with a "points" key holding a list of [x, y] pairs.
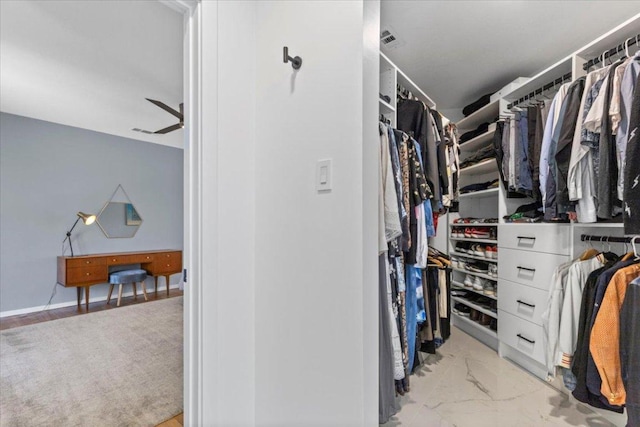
{"points": [[464, 239], [478, 142], [475, 307], [475, 325], [458, 285], [491, 192], [389, 71], [544, 77], [479, 258], [485, 166], [486, 114], [482, 275], [385, 107]]}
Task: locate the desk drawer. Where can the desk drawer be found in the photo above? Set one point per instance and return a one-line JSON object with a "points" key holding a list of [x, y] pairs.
{"points": [[95, 273], [167, 262], [528, 268], [524, 336], [548, 238], [129, 259], [86, 262], [523, 301]]}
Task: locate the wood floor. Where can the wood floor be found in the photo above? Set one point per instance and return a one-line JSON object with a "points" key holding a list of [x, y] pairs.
{"points": [[60, 313]]}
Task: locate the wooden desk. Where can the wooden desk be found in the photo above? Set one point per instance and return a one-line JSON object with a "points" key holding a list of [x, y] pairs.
{"points": [[87, 270]]}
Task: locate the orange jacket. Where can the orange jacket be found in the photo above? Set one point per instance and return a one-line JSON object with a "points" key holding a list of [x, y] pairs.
{"points": [[605, 335]]}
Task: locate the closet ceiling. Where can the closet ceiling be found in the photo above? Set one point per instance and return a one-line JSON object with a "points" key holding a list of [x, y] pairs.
{"points": [[91, 64], [457, 51]]}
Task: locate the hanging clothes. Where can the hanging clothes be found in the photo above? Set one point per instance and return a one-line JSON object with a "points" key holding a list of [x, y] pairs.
{"points": [[605, 336], [630, 351], [632, 171]]}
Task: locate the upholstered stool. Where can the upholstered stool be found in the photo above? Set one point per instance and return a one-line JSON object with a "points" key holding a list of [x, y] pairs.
{"points": [[124, 277]]}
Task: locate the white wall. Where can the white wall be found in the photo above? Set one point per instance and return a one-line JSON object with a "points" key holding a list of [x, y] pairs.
{"points": [[290, 321], [309, 279], [228, 226]]}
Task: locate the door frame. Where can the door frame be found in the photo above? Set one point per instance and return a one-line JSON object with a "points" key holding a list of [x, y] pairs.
{"points": [[193, 213]]}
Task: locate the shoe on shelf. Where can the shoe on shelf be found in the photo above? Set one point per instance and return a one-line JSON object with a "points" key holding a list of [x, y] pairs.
{"points": [[468, 232], [477, 267], [480, 233], [468, 281], [478, 283], [478, 250], [493, 270], [485, 319], [491, 252], [462, 309], [489, 288], [475, 315], [493, 233], [454, 261], [493, 325], [462, 247]]}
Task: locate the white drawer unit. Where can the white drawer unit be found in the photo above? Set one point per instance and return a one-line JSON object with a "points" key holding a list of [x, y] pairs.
{"points": [[528, 268], [522, 335], [548, 238], [523, 301]]}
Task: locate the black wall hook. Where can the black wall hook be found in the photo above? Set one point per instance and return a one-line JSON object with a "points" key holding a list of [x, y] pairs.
{"points": [[296, 62]]}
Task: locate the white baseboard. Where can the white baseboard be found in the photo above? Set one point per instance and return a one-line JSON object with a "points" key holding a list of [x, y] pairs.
{"points": [[74, 302]]}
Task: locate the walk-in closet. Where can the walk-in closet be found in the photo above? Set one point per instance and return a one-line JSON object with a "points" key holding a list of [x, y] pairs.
{"points": [[509, 227]]}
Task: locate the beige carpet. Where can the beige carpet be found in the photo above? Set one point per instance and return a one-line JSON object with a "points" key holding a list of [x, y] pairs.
{"points": [[120, 367]]}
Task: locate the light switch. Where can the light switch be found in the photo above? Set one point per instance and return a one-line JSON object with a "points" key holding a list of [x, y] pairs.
{"points": [[323, 175]]}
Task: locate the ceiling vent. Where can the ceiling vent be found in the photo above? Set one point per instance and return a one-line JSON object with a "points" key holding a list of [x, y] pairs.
{"points": [[389, 38]]}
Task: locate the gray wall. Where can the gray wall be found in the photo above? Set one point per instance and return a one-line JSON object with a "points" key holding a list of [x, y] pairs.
{"points": [[48, 172]]}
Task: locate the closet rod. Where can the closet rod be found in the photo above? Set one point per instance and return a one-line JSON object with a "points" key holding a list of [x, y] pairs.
{"points": [[609, 53], [605, 239], [539, 91]]}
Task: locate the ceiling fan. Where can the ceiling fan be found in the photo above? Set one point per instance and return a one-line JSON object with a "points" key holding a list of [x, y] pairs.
{"points": [[178, 114]]}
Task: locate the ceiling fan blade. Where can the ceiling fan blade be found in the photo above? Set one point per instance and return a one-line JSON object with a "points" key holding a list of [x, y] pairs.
{"points": [[170, 129], [166, 108]]}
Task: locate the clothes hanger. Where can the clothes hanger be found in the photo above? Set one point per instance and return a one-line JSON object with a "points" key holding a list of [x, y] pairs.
{"points": [[590, 252], [626, 46]]}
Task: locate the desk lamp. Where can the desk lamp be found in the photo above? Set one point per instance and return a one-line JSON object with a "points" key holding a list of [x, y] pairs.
{"points": [[88, 219]]}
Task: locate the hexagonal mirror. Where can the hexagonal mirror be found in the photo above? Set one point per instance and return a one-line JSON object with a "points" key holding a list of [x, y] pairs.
{"points": [[119, 217]]}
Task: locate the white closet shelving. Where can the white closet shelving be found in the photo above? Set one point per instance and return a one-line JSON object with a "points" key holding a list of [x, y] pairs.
{"points": [[521, 297], [553, 243], [390, 77], [479, 204]]}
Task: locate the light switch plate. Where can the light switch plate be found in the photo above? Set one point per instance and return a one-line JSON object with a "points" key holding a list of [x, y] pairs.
{"points": [[323, 175]]}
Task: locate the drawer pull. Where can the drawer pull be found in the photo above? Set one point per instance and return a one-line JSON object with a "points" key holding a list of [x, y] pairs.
{"points": [[168, 265], [526, 238], [88, 262], [114, 260], [526, 303], [148, 257], [526, 339], [88, 274], [533, 270]]}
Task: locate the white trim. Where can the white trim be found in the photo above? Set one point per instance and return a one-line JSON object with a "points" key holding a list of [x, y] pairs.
{"points": [[28, 310], [192, 252], [192, 315]]}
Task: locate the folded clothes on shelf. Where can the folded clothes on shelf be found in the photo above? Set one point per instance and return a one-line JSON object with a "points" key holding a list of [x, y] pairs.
{"points": [[476, 105], [482, 154], [468, 136], [526, 213], [463, 221], [471, 188]]}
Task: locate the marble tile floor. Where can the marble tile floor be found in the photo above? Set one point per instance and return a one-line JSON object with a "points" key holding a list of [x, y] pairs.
{"points": [[466, 384]]}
